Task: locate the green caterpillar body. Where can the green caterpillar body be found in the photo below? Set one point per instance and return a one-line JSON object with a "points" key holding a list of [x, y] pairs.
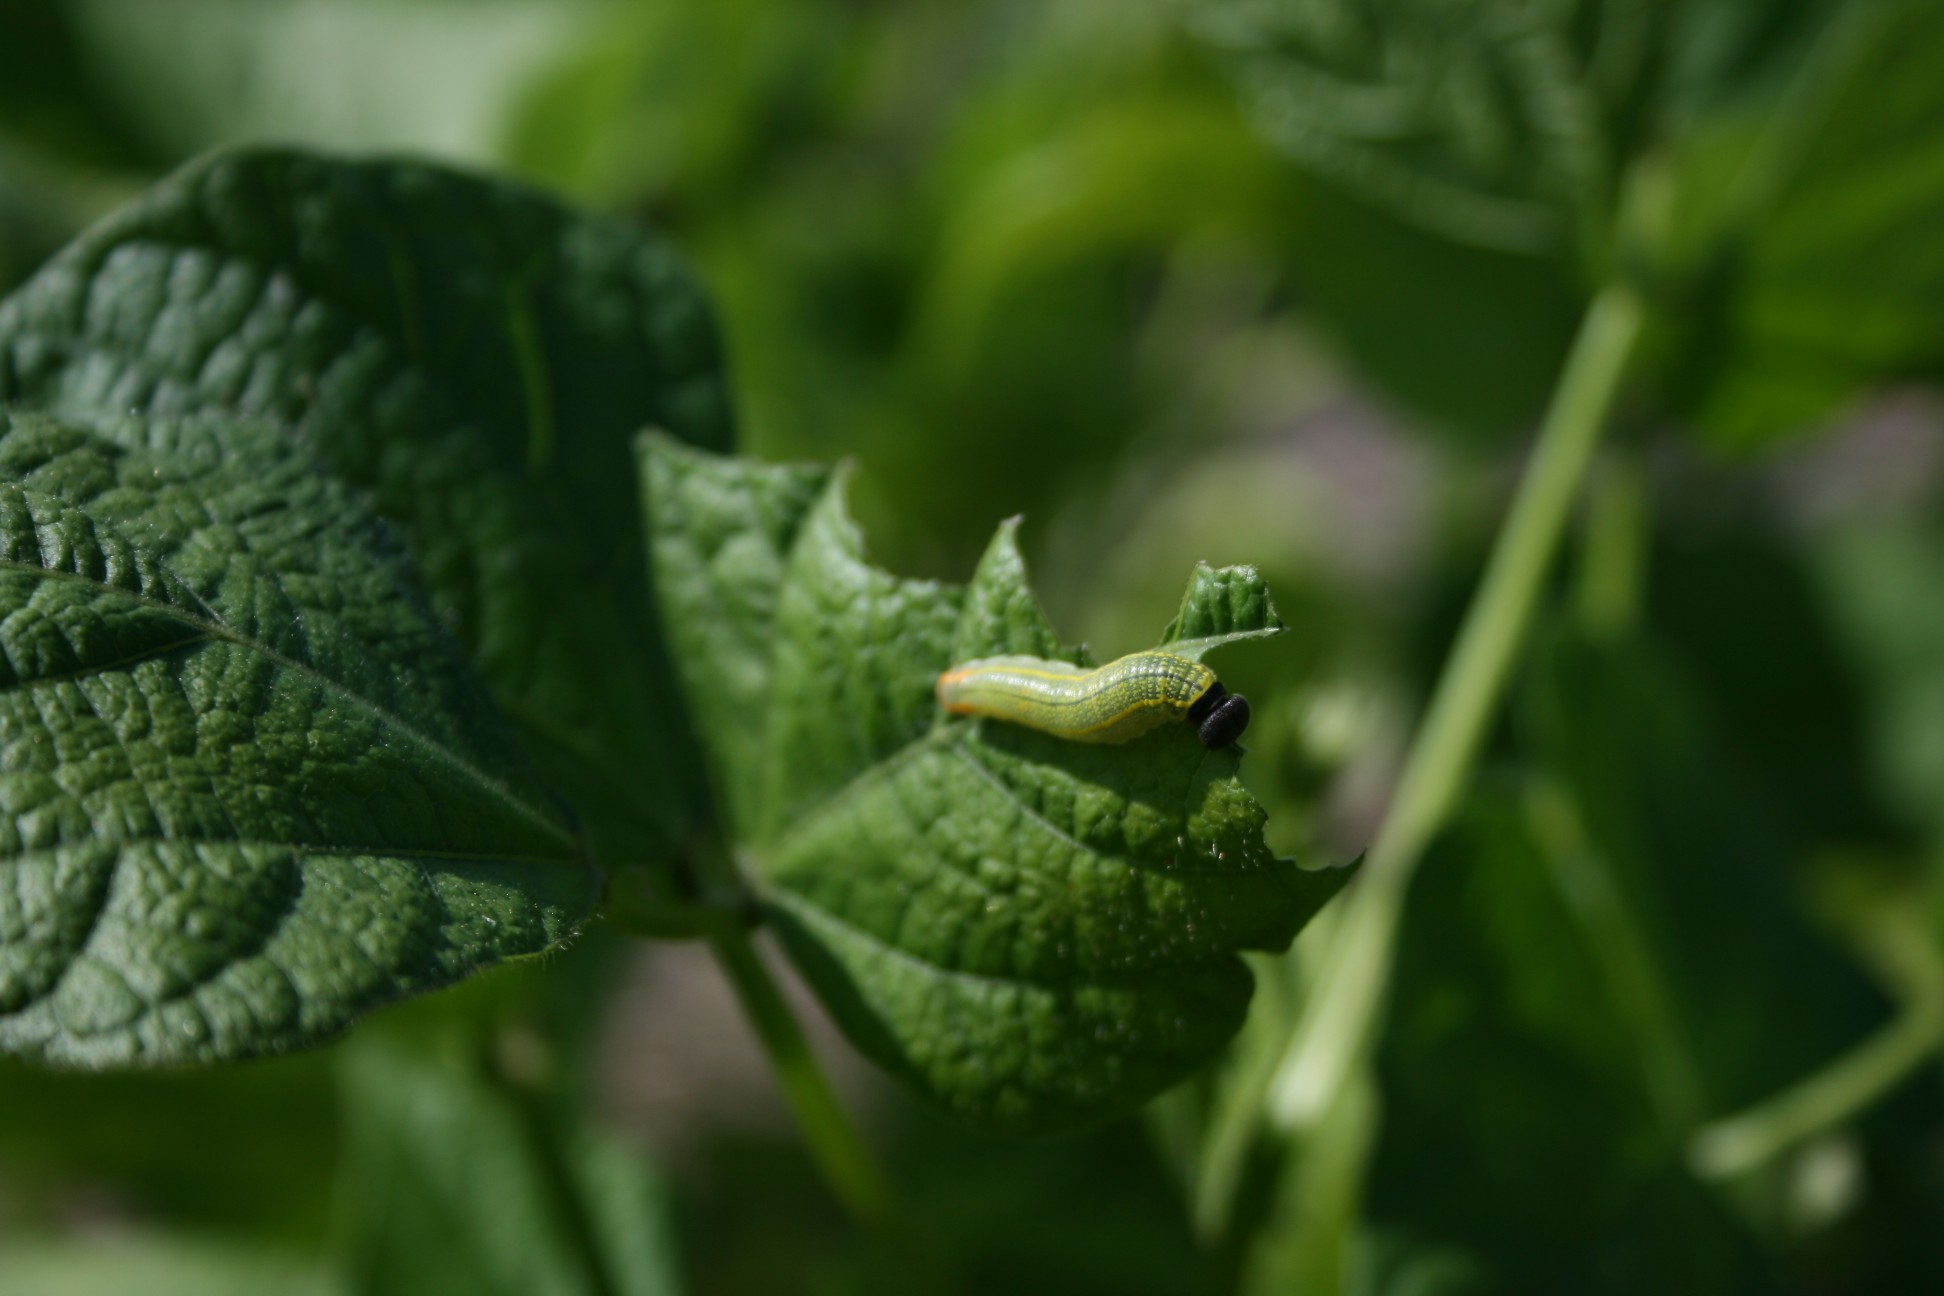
{"points": [[1108, 704]]}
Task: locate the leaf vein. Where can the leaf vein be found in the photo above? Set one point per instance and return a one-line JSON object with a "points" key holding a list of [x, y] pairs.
{"points": [[388, 718]]}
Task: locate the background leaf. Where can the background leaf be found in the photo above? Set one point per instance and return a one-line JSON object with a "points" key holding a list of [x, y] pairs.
{"points": [[477, 1188], [252, 792], [159, 1267], [1817, 270], [1477, 121]]}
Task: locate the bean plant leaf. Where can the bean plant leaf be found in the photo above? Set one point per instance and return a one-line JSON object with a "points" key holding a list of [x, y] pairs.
{"points": [[1497, 156], [1033, 932], [251, 788], [1667, 808], [1446, 152], [1821, 217], [1221, 606], [721, 552], [472, 354], [539, 1203], [1505, 124], [1478, 121]]}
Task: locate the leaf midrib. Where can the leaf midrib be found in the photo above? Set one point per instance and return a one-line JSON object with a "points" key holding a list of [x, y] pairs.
{"points": [[216, 630], [1132, 979], [952, 737], [413, 359]]}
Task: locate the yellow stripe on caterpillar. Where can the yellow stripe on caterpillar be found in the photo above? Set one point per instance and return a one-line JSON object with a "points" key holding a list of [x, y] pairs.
{"points": [[1107, 704]]}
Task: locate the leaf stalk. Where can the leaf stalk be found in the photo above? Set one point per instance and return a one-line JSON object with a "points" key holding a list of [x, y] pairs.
{"points": [[835, 1145]]}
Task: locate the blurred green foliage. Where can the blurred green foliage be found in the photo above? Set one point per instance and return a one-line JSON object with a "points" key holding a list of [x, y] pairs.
{"points": [[1281, 281]]}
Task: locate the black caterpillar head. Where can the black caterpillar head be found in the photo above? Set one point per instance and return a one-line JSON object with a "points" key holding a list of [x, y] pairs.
{"points": [[1219, 717]]}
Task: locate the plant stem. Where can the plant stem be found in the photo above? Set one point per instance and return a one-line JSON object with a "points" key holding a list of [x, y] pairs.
{"points": [[1621, 952], [1734, 1144], [1339, 1027], [1891, 931], [636, 904], [834, 1142], [1614, 551]]}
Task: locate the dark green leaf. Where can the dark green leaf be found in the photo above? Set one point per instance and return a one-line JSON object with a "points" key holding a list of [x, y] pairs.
{"points": [[473, 355], [1493, 158], [1035, 932], [1512, 1056], [1449, 157], [465, 1184], [1821, 268], [1477, 121], [1706, 858], [719, 555], [251, 790], [38, 211], [1883, 583], [65, 1133], [1482, 362], [1610, 949], [48, 104]]}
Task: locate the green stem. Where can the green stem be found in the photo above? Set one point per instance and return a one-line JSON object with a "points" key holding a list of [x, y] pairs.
{"points": [[1340, 1024], [834, 1143], [1614, 551], [1236, 1118], [1735, 1144], [1890, 931], [1621, 952], [636, 903]]}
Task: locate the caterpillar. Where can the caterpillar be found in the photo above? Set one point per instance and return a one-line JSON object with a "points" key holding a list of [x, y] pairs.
{"points": [[1108, 704]]}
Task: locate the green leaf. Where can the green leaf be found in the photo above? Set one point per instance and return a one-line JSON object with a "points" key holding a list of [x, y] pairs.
{"points": [[1444, 154], [40, 206], [147, 1133], [1514, 1052], [251, 789], [1133, 174], [1883, 583], [1494, 158], [1034, 932], [1502, 124], [1821, 270], [1221, 607], [1477, 121], [719, 558], [1482, 363], [473, 355], [1699, 923], [464, 1183]]}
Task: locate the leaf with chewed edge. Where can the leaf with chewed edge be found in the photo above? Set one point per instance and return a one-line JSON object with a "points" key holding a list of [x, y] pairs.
{"points": [[1222, 605], [1033, 932]]}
